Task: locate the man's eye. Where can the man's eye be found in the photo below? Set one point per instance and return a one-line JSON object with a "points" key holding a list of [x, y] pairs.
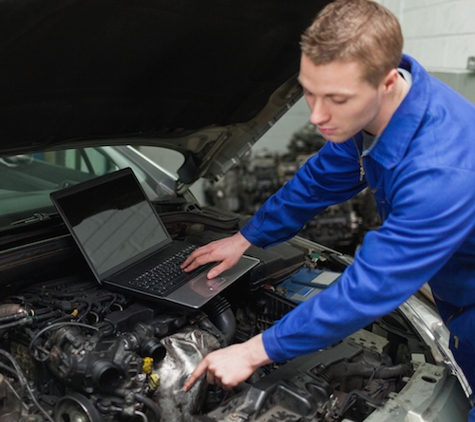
{"points": [[339, 100]]}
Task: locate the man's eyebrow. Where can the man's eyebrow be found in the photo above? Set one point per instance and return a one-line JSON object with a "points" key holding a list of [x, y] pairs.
{"points": [[330, 94], [339, 94], [335, 94]]}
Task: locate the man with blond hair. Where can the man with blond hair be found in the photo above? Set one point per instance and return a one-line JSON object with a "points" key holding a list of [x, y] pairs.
{"points": [[411, 139]]}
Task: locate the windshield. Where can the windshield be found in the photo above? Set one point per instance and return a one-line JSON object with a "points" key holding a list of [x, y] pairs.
{"points": [[26, 181]]}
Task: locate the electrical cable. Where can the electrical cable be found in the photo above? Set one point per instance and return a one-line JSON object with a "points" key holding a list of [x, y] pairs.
{"points": [[24, 381]]}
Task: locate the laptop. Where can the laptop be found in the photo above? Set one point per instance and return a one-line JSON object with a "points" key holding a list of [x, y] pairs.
{"points": [[124, 241]]}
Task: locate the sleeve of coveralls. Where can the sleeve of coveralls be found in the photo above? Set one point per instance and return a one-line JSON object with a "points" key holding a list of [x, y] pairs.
{"points": [[432, 214], [328, 178]]}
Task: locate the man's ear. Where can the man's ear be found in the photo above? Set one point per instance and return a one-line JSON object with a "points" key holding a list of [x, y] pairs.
{"points": [[389, 81]]}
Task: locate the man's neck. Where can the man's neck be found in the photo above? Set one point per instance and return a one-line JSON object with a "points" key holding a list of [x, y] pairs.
{"points": [[390, 103]]}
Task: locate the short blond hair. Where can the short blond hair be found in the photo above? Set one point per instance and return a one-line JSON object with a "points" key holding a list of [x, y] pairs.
{"points": [[361, 31]]}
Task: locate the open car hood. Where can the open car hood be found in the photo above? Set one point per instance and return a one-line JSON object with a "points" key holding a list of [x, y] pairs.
{"points": [[204, 78]]}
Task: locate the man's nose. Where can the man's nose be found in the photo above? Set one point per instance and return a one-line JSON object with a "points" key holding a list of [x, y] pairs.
{"points": [[319, 113]]}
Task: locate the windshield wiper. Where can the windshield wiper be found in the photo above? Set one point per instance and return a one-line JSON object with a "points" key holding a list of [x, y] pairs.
{"points": [[35, 218]]}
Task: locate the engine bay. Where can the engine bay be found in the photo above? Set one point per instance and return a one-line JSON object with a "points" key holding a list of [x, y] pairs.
{"points": [[74, 351]]}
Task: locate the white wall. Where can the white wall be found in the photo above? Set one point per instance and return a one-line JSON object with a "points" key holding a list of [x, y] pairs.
{"points": [[440, 34]]}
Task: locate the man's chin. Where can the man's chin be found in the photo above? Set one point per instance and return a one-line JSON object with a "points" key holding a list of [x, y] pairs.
{"points": [[336, 139]]}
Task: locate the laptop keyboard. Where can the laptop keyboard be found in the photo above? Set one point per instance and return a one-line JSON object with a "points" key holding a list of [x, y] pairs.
{"points": [[165, 277]]}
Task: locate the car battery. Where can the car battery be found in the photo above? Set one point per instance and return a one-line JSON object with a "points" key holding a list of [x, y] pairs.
{"points": [[275, 301], [306, 283]]}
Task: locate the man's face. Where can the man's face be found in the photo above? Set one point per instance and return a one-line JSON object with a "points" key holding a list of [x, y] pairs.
{"points": [[341, 102]]}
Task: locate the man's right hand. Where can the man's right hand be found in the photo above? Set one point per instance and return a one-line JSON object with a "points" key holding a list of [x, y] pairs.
{"points": [[232, 365], [226, 251]]}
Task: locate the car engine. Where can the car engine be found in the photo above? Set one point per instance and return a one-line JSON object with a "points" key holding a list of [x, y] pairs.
{"points": [[72, 351]]}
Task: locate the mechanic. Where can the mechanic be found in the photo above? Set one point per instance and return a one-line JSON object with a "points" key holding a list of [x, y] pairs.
{"points": [[411, 139]]}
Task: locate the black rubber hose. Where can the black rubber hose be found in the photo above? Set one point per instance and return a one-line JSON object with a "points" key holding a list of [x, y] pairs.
{"points": [[226, 323], [206, 325], [345, 369], [221, 315]]}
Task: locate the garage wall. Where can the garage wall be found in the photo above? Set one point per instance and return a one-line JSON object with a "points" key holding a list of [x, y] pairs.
{"points": [[440, 34]]}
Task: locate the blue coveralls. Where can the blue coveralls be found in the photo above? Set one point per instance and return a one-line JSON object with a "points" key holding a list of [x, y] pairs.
{"points": [[422, 170]]}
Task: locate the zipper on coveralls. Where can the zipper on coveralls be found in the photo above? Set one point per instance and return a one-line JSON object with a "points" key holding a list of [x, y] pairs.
{"points": [[456, 339], [362, 175], [360, 160]]}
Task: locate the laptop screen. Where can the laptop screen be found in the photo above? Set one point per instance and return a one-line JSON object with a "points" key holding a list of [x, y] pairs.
{"points": [[112, 221]]}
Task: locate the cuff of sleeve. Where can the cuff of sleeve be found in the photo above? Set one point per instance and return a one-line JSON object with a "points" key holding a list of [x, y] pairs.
{"points": [[271, 345], [252, 234]]}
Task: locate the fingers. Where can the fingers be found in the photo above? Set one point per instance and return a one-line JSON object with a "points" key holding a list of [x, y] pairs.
{"points": [[196, 259], [230, 366], [205, 255], [218, 269], [199, 370], [211, 378], [226, 252], [214, 376]]}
